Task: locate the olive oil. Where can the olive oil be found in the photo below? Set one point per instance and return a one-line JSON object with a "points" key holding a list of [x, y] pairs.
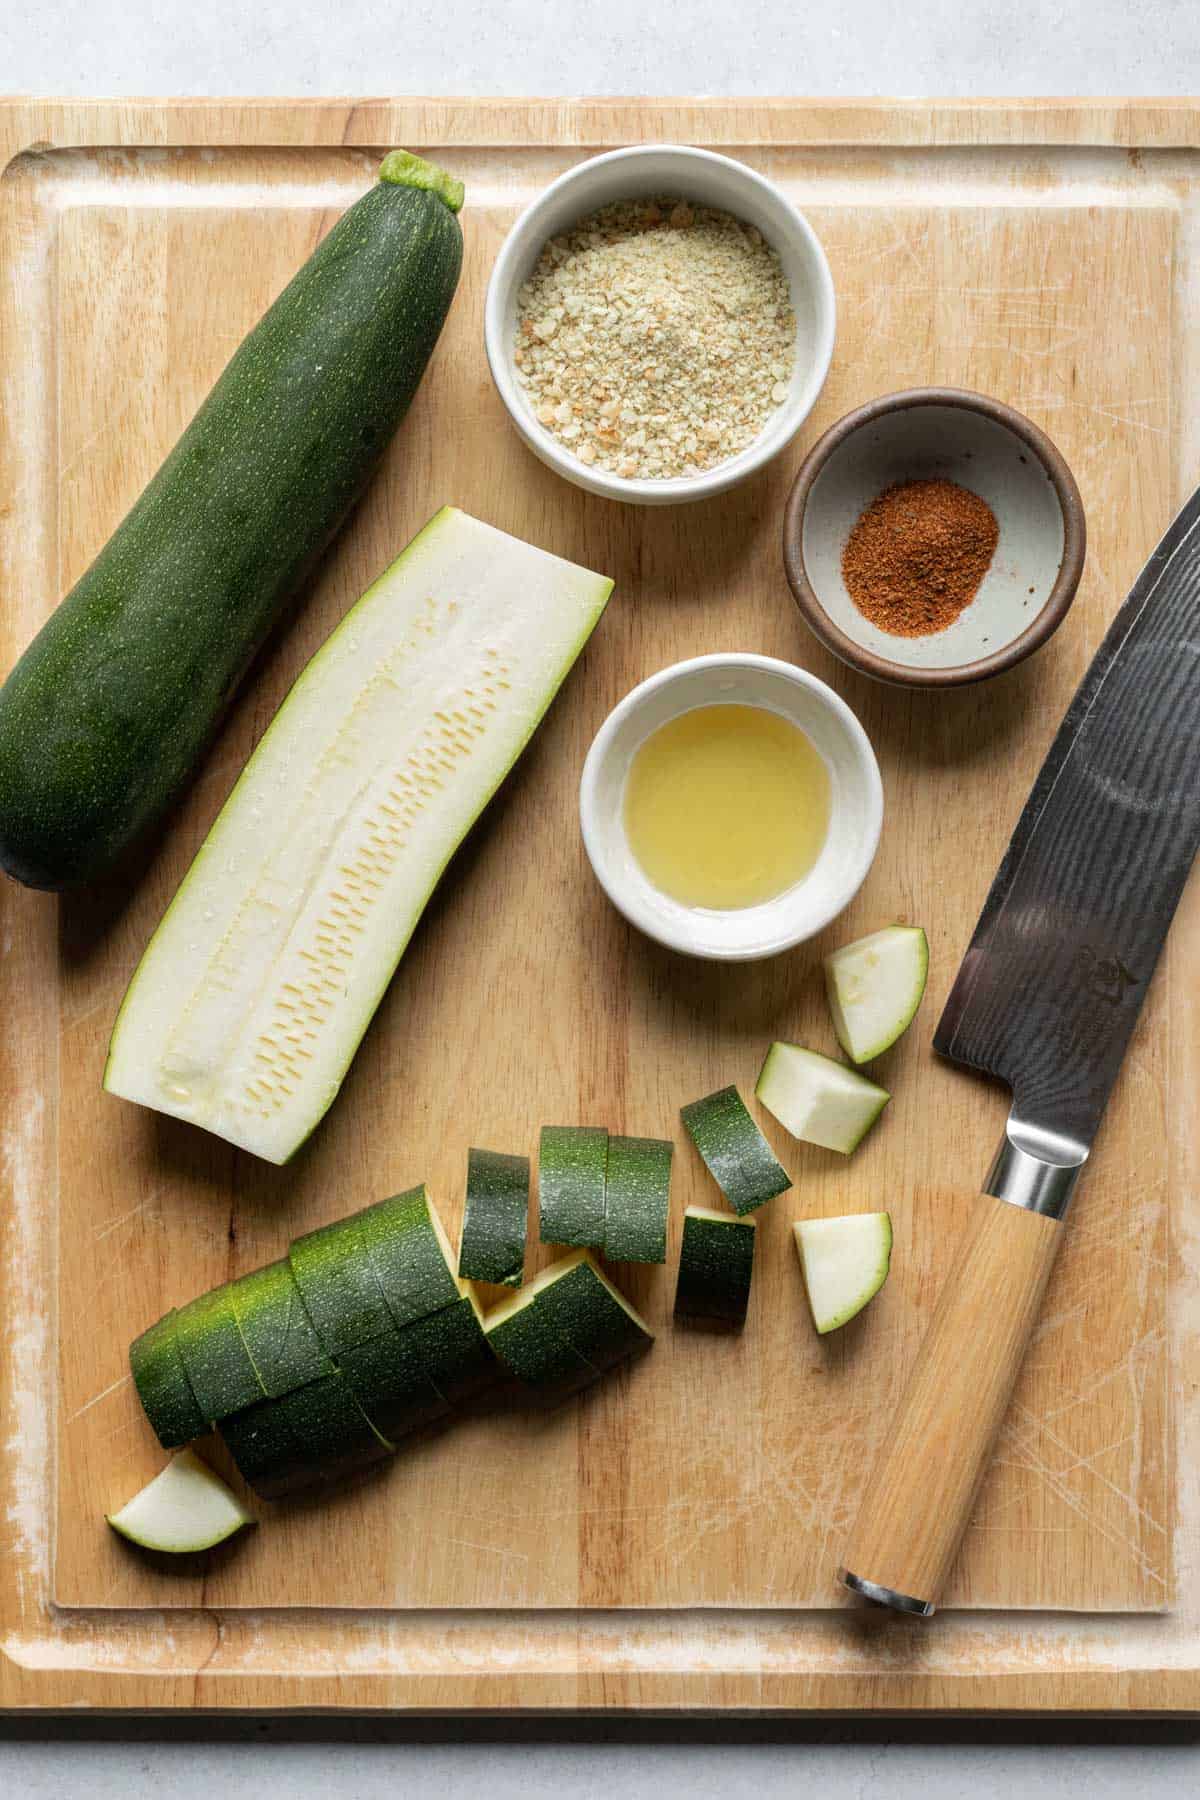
{"points": [[726, 806]]}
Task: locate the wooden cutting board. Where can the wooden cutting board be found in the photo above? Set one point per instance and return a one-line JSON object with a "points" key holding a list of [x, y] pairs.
{"points": [[669, 1540]]}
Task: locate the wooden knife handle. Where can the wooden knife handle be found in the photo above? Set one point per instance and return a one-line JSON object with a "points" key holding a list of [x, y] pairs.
{"points": [[919, 1498]]}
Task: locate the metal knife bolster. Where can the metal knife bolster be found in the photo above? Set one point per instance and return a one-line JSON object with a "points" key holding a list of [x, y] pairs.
{"points": [[1035, 1169]]}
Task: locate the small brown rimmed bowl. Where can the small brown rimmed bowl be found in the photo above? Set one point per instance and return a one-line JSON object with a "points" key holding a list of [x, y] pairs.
{"points": [[981, 444]]}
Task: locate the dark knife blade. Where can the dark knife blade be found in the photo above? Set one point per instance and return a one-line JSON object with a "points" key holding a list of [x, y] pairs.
{"points": [[1050, 988]]}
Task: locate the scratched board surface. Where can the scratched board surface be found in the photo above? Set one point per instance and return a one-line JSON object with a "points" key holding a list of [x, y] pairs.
{"points": [[717, 1472]]}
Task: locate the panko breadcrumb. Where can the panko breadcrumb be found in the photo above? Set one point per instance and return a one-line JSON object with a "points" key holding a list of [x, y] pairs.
{"points": [[656, 338]]}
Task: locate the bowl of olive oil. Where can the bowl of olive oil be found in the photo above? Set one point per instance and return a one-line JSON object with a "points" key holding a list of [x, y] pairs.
{"points": [[731, 806]]}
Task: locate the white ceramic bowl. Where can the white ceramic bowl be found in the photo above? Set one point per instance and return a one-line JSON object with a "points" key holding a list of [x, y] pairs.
{"points": [[711, 180], [982, 444], [855, 812]]}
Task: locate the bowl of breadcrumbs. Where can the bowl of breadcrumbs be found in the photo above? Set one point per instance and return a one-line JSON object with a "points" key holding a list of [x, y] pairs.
{"points": [[659, 323]]}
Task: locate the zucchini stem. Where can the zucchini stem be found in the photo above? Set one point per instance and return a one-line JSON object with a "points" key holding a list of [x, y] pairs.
{"points": [[406, 170]]}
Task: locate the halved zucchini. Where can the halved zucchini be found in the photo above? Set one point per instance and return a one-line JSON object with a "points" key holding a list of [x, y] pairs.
{"points": [[250, 1001]]}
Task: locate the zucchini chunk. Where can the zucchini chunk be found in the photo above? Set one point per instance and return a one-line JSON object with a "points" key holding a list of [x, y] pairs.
{"points": [[496, 1218], [637, 1199], [572, 1172], [875, 987], [818, 1099], [716, 1263], [184, 1509], [735, 1152], [844, 1262], [162, 1384]]}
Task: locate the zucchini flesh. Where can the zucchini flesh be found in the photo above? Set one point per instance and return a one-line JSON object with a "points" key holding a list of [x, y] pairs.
{"points": [[495, 1219], [252, 997], [107, 712], [735, 1152], [637, 1199], [844, 1262], [817, 1099], [185, 1509], [875, 987], [572, 1165], [716, 1263]]}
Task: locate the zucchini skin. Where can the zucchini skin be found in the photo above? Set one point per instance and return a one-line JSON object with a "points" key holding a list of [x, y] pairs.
{"points": [[107, 712]]}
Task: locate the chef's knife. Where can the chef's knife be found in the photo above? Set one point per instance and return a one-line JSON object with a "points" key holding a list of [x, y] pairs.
{"points": [[1046, 998]]}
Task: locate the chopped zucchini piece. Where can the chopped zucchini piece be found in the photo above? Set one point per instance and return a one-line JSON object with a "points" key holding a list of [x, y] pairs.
{"points": [[214, 1353], [637, 1199], [875, 987], [163, 1386], [845, 1262], [339, 1287], [454, 1350], [818, 1099], [572, 1173], [277, 1330], [716, 1263], [583, 1305], [737, 1155], [388, 1378], [184, 1509], [317, 1433], [410, 1253], [496, 1218], [532, 1349]]}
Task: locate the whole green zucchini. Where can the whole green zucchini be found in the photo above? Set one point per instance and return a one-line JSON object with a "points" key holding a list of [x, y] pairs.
{"points": [[105, 715]]}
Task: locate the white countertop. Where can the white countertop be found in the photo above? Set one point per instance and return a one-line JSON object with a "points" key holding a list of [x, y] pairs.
{"points": [[751, 47]]}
